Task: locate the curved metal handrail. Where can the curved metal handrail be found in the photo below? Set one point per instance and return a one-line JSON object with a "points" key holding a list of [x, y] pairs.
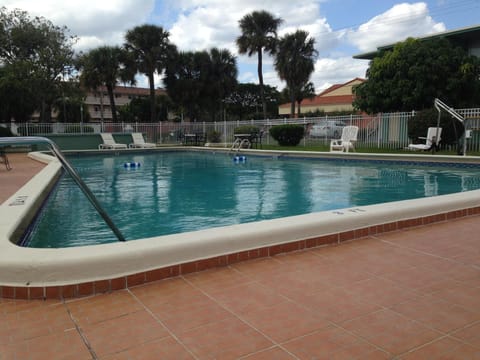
{"points": [[66, 165]]}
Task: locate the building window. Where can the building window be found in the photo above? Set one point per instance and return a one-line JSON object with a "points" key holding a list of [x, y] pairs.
{"points": [[96, 108]]}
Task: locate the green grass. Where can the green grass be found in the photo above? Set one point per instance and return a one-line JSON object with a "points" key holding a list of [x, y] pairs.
{"points": [[359, 149]]}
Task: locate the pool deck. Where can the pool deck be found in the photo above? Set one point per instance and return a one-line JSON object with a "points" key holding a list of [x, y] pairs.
{"points": [[406, 294]]}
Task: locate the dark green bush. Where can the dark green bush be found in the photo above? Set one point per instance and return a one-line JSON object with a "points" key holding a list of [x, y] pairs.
{"points": [[5, 132], [287, 135], [247, 129], [214, 136]]}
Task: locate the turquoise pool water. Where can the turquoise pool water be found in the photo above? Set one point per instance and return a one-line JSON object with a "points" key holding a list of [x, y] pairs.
{"points": [[173, 192]]}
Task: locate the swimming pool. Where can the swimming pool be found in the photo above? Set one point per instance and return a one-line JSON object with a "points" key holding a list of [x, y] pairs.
{"points": [[59, 273], [176, 192]]}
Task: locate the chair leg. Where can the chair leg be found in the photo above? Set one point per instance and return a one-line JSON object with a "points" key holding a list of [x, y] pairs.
{"points": [[4, 159]]}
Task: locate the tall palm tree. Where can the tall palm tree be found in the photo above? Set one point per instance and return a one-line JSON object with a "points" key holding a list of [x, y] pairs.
{"points": [[106, 66], [259, 34], [295, 62], [151, 48]]}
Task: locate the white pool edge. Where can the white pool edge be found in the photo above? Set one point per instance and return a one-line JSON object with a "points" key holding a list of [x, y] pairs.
{"points": [[31, 267]]}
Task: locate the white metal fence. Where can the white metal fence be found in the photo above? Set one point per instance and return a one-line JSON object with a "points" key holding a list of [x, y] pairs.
{"points": [[387, 130]]}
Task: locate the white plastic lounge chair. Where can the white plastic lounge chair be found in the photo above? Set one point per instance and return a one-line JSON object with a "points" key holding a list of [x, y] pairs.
{"points": [[139, 142], [349, 136], [432, 139], [110, 143]]}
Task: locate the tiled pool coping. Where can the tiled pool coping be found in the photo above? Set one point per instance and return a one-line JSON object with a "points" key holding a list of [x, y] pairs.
{"points": [[27, 273]]}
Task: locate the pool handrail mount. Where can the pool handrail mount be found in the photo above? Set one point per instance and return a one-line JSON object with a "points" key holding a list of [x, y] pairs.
{"points": [[71, 171]]}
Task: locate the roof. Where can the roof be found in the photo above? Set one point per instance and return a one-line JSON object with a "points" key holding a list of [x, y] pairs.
{"points": [[324, 98], [131, 90], [462, 36]]}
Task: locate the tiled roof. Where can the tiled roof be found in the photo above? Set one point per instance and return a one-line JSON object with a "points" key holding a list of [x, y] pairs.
{"points": [[325, 99]]}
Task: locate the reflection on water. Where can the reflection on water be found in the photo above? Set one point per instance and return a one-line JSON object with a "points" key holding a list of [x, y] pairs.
{"points": [[178, 192]]}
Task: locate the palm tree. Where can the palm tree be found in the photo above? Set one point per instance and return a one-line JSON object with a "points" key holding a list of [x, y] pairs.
{"points": [[151, 48], [106, 66], [295, 62], [223, 76], [306, 92], [259, 33]]}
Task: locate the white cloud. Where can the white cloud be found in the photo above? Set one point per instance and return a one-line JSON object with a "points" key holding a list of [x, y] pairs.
{"points": [[94, 22], [203, 24], [398, 23]]}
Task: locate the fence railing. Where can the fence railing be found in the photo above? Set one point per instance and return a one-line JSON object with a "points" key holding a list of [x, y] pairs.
{"points": [[386, 130]]}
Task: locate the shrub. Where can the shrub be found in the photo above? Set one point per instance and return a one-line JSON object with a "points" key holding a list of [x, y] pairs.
{"points": [[287, 135], [247, 129], [214, 136]]}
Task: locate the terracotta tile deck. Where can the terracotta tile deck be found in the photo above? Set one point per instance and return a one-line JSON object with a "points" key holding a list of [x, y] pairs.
{"points": [[408, 294]]}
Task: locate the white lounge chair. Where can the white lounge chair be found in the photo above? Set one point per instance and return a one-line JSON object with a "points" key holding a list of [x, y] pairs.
{"points": [[347, 140], [139, 142], [110, 143], [434, 135]]}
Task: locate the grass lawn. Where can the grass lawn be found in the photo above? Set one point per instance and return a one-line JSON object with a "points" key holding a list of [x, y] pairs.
{"points": [[373, 150]]}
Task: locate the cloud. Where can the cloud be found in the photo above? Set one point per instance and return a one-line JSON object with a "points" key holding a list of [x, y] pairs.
{"points": [[203, 24], [94, 22], [401, 21]]}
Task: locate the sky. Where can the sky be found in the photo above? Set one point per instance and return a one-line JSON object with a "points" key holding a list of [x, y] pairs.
{"points": [[341, 28]]}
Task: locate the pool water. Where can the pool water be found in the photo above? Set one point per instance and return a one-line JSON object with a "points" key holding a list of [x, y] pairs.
{"points": [[173, 192]]}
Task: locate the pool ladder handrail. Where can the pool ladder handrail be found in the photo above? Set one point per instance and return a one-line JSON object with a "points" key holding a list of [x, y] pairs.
{"points": [[239, 143], [71, 171]]}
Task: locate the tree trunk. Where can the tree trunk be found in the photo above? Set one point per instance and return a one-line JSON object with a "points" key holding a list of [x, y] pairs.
{"points": [[260, 81], [112, 103], [292, 104], [153, 105]]}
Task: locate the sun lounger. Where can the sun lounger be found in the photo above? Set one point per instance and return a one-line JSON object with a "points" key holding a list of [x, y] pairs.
{"points": [[139, 142], [110, 143]]}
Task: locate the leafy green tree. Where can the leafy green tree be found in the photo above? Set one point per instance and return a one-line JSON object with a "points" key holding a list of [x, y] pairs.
{"points": [[106, 66], [71, 106], [151, 50], [184, 79], [38, 52], [222, 78], [199, 82], [416, 72], [244, 102], [306, 92], [295, 62], [259, 34], [18, 92], [139, 109]]}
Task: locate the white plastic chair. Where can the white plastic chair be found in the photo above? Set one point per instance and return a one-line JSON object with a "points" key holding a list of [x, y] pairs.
{"points": [[347, 140], [139, 142], [433, 137], [110, 143]]}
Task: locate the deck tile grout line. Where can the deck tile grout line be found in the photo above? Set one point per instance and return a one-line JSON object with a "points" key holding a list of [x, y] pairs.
{"points": [[275, 343], [169, 331]]}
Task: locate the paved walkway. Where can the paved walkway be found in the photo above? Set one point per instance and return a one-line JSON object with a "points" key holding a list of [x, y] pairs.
{"points": [[23, 169], [411, 294]]}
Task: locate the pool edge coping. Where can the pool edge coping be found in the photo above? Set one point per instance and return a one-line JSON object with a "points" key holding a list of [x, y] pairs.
{"points": [[42, 273]]}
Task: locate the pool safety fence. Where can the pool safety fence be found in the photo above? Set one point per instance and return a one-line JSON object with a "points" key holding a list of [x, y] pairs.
{"points": [[385, 130]]}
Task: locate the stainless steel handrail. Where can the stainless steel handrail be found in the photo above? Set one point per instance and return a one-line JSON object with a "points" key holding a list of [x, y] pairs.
{"points": [[439, 105], [66, 165]]}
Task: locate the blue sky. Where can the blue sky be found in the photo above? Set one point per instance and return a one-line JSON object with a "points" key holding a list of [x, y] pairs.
{"points": [[341, 28]]}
